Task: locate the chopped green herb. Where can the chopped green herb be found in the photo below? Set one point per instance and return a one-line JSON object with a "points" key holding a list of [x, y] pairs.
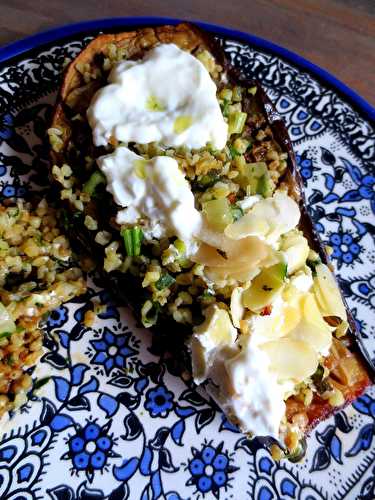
{"points": [[5, 335], [96, 178], [133, 238], [165, 281], [40, 383], [150, 312], [320, 383], [233, 151], [14, 211], [207, 180], [236, 212], [10, 360], [225, 107]]}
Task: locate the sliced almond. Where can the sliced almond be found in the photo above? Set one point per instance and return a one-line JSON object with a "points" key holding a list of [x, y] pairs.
{"points": [[327, 293], [291, 359]]}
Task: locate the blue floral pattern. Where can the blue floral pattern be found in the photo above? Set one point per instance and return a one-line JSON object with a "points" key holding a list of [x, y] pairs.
{"points": [[210, 469], [90, 448], [111, 351], [159, 401], [115, 419]]}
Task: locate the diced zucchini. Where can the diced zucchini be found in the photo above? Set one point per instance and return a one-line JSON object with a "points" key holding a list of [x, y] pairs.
{"points": [[236, 122], [264, 187], [265, 287], [7, 325], [218, 213]]}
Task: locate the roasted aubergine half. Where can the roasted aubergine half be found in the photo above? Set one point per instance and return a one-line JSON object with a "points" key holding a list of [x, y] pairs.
{"points": [[178, 176]]}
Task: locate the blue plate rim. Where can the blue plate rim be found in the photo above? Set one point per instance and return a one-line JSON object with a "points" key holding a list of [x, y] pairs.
{"points": [[19, 47]]}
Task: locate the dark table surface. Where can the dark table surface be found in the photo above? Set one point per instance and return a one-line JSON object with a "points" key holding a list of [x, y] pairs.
{"points": [[338, 35]]}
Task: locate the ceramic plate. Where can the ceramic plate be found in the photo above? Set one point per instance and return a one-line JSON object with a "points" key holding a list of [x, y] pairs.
{"points": [[116, 420]]}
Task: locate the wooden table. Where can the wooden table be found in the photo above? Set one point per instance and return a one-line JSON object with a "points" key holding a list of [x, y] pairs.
{"points": [[338, 35]]}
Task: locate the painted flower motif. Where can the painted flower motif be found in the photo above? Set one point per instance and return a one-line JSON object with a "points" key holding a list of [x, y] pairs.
{"points": [[210, 468], [305, 166], [112, 350], [90, 448], [345, 249], [365, 185], [6, 126], [57, 317], [9, 191], [159, 401]]}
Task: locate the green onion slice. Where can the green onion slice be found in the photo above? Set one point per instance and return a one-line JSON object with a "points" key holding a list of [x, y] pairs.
{"points": [[133, 238], [95, 179], [165, 281]]}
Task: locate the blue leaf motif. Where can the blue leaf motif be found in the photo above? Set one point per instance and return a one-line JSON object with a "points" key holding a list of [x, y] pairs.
{"points": [[90, 386], [61, 422], [77, 373], [326, 435], [48, 412], [184, 411], [156, 484], [265, 494], [146, 461], [132, 426], [178, 431], [342, 422], [145, 493], [64, 339], [363, 441], [329, 182], [362, 404], [346, 212], [335, 448], [361, 227], [331, 197], [172, 495], [203, 418], [108, 404], [165, 461], [321, 459], [78, 403], [126, 470], [61, 388], [352, 195], [141, 384], [61, 492], [353, 171]]}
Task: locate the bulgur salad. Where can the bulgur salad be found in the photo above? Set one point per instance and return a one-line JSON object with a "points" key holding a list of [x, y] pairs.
{"points": [[180, 177], [36, 276]]}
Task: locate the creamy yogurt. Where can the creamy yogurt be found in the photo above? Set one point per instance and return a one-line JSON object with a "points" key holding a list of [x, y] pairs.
{"points": [[155, 190], [166, 97]]}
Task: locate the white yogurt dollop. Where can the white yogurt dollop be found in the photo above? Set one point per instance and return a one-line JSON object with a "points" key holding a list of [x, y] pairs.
{"points": [[155, 190], [167, 97]]}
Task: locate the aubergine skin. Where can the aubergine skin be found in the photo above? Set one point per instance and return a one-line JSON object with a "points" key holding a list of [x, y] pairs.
{"points": [[125, 287]]}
